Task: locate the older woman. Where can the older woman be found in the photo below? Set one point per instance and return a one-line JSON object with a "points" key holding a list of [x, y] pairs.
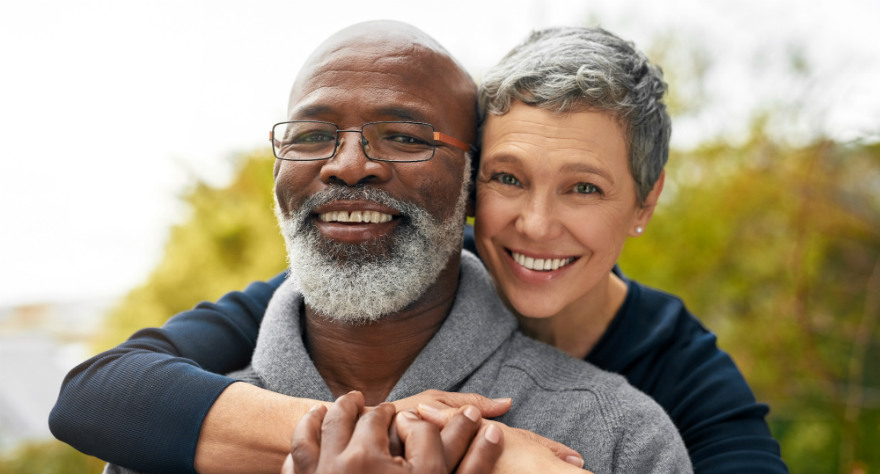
{"points": [[574, 143]]}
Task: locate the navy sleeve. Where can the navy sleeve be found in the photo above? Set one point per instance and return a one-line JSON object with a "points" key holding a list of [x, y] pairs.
{"points": [[665, 352], [142, 403]]}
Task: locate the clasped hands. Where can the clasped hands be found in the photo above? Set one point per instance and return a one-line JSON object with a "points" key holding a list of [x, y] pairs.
{"points": [[432, 432]]}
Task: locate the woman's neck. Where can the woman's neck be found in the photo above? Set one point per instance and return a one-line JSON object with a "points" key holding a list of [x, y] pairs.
{"points": [[578, 327]]}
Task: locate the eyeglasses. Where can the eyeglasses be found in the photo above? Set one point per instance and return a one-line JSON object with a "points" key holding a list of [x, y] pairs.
{"points": [[309, 140]]}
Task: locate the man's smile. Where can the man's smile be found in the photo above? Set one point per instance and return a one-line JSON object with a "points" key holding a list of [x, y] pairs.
{"points": [[355, 221], [355, 216]]}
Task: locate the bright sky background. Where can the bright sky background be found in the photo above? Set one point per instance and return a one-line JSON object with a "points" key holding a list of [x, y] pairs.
{"points": [[108, 108]]}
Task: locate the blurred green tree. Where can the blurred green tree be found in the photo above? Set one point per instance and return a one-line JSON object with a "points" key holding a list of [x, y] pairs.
{"points": [[48, 457], [229, 239], [777, 249]]}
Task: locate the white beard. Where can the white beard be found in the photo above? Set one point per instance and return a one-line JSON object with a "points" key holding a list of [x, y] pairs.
{"points": [[361, 283]]}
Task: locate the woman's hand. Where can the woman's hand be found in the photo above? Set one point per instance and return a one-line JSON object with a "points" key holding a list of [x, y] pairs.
{"points": [[340, 439], [488, 407], [524, 451]]}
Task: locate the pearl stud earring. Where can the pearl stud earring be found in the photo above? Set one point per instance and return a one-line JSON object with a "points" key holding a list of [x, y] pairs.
{"points": [[639, 230]]}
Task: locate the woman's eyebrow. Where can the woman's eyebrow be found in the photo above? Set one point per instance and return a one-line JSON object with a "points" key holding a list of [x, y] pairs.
{"points": [[587, 168]]}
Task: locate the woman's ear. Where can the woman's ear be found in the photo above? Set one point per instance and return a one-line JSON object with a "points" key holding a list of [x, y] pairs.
{"points": [[644, 214]]}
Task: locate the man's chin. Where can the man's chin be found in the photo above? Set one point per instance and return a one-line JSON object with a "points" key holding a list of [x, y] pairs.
{"points": [[361, 253]]}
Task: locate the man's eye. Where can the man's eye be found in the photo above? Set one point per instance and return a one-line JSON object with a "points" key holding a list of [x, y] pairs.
{"points": [[406, 140], [586, 188], [314, 137]]}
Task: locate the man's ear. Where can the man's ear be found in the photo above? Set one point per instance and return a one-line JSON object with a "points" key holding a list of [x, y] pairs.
{"points": [[644, 214]]}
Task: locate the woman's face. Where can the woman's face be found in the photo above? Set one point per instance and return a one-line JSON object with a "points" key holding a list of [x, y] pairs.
{"points": [[555, 203]]}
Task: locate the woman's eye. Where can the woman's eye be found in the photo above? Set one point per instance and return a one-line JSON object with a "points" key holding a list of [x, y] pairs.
{"points": [[506, 178], [586, 188]]}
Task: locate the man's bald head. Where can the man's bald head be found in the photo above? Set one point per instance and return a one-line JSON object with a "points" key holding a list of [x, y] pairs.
{"points": [[376, 47]]}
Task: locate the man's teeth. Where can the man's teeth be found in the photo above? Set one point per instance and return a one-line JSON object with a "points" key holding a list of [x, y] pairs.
{"points": [[355, 216], [541, 264]]}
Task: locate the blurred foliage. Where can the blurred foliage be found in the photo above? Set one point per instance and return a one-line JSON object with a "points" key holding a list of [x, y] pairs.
{"points": [[229, 239], [46, 458], [777, 250]]}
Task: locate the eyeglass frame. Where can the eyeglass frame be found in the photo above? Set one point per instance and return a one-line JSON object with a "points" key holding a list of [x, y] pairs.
{"points": [[438, 137]]}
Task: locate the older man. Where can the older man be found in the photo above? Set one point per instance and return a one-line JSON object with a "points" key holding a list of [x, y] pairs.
{"points": [[372, 188]]}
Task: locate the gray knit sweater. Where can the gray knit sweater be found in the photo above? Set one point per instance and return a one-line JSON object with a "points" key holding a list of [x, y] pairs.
{"points": [[615, 427]]}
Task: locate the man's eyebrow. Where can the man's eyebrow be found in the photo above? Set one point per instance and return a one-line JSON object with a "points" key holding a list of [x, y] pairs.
{"points": [[310, 111], [393, 113], [402, 114]]}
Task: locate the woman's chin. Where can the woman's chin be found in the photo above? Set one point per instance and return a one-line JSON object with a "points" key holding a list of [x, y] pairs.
{"points": [[531, 311]]}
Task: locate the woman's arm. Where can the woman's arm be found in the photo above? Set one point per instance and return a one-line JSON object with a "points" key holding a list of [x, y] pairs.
{"points": [[249, 429], [157, 404], [141, 404]]}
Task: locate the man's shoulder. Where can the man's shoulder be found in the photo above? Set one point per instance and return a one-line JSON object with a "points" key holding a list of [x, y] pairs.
{"points": [[553, 370], [576, 403], [593, 395]]}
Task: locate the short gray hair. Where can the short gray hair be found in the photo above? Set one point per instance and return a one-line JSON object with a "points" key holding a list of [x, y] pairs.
{"points": [[573, 68]]}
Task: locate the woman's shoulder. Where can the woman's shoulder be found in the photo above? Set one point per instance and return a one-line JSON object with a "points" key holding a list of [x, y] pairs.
{"points": [[656, 342], [651, 320]]}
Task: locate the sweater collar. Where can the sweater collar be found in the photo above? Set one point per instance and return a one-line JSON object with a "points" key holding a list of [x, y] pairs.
{"points": [[477, 325]]}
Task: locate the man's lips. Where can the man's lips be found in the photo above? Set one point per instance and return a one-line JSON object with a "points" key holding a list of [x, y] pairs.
{"points": [[355, 221], [355, 216], [355, 212]]}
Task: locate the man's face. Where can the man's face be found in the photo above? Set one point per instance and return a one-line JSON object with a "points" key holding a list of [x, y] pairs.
{"points": [[362, 270]]}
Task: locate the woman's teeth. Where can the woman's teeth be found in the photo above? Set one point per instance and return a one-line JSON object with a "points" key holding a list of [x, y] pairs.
{"points": [[541, 264]]}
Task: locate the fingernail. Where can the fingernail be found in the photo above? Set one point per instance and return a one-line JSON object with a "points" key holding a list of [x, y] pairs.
{"points": [[472, 413], [575, 461], [427, 408], [502, 400], [314, 408], [493, 434]]}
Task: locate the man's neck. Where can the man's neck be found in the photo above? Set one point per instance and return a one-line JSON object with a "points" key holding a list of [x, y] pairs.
{"points": [[372, 357]]}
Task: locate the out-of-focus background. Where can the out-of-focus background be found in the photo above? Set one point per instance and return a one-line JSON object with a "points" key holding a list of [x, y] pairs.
{"points": [[136, 182]]}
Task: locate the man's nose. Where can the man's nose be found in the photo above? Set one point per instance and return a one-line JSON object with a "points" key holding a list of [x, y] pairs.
{"points": [[350, 165]]}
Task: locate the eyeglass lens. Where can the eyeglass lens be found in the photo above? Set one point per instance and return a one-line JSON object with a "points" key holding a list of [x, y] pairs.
{"points": [[389, 141]]}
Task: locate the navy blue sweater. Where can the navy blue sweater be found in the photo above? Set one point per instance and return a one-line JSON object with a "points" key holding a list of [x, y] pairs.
{"points": [[164, 381]]}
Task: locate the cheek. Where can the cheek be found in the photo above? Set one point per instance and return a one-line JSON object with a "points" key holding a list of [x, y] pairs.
{"points": [[435, 187], [602, 232], [493, 212], [292, 181]]}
